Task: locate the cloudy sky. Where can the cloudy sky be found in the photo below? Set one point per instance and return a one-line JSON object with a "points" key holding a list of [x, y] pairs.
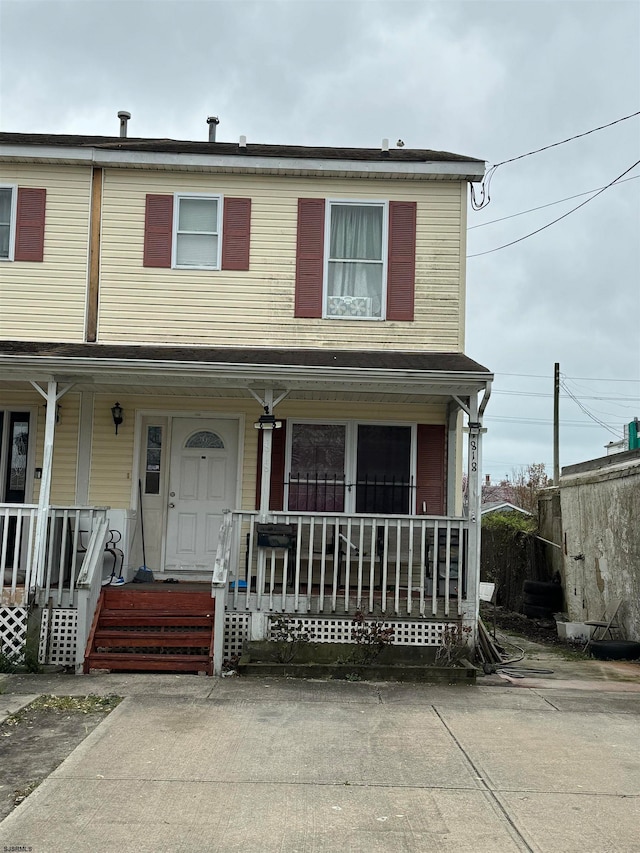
{"points": [[492, 80]]}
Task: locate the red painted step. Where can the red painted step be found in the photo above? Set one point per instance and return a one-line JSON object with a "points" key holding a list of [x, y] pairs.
{"points": [[177, 624]]}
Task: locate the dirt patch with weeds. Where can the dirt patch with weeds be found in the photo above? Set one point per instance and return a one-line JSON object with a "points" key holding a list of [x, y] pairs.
{"points": [[36, 739]]}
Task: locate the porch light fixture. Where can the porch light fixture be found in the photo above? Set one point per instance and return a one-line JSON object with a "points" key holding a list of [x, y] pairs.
{"points": [[267, 421], [116, 413]]}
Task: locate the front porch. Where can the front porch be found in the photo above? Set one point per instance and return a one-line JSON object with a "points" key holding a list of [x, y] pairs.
{"points": [[346, 500]]}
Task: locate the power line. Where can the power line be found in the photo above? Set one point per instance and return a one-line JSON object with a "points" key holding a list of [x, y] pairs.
{"points": [[485, 197], [588, 413], [553, 222], [571, 378], [570, 139], [550, 204]]}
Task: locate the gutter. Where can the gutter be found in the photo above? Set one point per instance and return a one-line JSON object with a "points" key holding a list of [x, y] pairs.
{"points": [[452, 170], [233, 370]]}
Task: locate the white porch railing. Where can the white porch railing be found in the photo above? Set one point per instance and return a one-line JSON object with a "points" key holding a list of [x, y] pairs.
{"points": [[325, 563], [68, 533]]}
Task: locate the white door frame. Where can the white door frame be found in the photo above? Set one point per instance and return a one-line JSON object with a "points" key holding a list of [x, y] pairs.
{"points": [[171, 415]]}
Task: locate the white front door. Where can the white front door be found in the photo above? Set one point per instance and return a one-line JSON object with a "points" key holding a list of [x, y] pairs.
{"points": [[202, 485]]}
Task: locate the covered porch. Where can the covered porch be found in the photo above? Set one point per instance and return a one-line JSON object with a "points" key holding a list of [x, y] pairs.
{"points": [[318, 520]]}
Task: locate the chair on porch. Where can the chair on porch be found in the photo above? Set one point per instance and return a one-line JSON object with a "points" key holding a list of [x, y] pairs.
{"points": [[111, 547]]}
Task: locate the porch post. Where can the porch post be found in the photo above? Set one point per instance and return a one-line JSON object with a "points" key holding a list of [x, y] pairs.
{"points": [[474, 473], [40, 545], [267, 444], [453, 486]]}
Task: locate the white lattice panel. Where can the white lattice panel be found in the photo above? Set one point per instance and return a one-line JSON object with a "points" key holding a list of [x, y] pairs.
{"points": [[236, 633], [63, 639], [13, 632], [339, 631]]}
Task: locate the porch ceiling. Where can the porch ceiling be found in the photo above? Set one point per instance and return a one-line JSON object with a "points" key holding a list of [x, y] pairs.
{"points": [[231, 372]]}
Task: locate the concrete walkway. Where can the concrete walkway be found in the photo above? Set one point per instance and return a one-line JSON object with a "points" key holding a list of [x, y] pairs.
{"points": [[196, 764]]}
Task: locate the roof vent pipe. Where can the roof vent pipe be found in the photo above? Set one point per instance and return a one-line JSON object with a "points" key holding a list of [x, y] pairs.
{"points": [[385, 145], [213, 122], [124, 117], [243, 142]]}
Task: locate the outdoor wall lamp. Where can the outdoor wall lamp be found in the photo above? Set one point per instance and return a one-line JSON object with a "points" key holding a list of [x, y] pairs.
{"points": [[267, 421], [116, 413]]}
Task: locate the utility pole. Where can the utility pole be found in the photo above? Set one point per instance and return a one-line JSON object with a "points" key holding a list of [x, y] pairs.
{"points": [[556, 424]]}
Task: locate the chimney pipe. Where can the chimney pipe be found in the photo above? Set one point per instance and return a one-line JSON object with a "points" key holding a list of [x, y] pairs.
{"points": [[242, 143], [213, 122], [124, 118]]}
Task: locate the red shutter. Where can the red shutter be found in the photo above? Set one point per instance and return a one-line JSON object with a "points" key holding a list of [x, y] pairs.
{"points": [[309, 257], [401, 275], [236, 233], [158, 230], [276, 496], [430, 473], [29, 245]]}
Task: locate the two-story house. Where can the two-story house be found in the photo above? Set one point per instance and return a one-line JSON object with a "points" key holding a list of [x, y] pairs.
{"points": [[248, 360]]}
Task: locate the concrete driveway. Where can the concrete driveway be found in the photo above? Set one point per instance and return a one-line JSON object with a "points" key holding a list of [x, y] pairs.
{"points": [[196, 764]]}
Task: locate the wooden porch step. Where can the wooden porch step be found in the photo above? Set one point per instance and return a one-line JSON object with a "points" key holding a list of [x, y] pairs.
{"points": [[149, 662], [132, 618], [150, 630], [165, 639]]}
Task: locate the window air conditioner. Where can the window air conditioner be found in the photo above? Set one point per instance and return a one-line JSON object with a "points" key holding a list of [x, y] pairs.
{"points": [[349, 306]]}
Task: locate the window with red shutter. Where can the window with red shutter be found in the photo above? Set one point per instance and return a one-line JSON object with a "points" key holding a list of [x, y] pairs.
{"points": [[343, 266], [309, 257], [236, 233], [158, 228], [29, 233], [401, 273]]}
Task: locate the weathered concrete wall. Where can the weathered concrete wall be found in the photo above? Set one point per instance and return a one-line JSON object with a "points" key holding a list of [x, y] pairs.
{"points": [[550, 527], [601, 529]]}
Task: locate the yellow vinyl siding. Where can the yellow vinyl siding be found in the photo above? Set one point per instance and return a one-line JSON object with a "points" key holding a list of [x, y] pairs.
{"points": [[46, 301], [222, 308]]}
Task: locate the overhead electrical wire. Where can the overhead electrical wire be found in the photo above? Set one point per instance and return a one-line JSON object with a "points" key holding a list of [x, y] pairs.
{"points": [[485, 196], [589, 414], [553, 222], [550, 204]]}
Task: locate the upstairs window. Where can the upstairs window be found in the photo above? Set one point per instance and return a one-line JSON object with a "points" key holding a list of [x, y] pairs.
{"points": [[355, 274], [355, 260], [196, 232], [7, 222]]}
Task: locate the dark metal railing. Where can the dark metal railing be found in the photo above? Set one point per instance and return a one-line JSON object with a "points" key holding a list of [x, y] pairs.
{"points": [[321, 492]]}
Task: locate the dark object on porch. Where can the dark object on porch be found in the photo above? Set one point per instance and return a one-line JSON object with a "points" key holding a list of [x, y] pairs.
{"points": [[111, 546], [151, 630], [143, 575], [277, 536]]}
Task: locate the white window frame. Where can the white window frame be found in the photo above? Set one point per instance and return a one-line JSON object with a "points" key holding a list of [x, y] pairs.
{"points": [[176, 218], [351, 455], [12, 219], [330, 203]]}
